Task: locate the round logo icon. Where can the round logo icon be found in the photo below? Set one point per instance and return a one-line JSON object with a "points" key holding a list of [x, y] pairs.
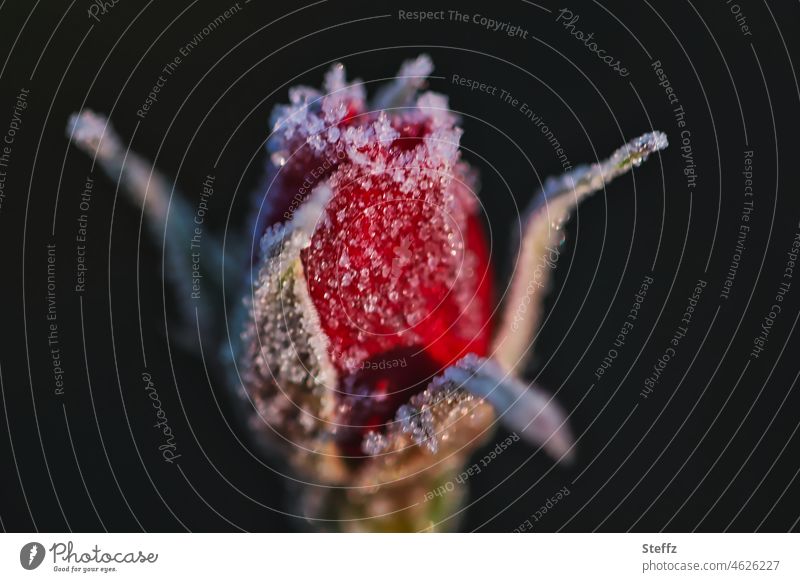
{"points": [[31, 555]]}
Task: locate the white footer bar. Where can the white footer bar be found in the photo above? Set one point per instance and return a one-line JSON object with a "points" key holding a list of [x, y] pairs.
{"points": [[400, 558]]}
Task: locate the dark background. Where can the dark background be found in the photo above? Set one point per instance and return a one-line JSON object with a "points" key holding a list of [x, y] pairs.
{"points": [[713, 448]]}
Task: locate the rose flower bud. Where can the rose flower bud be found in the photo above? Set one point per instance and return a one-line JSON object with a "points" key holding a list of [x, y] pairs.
{"points": [[372, 357]]}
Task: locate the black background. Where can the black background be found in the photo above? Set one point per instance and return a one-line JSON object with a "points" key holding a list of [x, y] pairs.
{"points": [[713, 448]]}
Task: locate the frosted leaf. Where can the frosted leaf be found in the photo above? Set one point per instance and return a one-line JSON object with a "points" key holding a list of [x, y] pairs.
{"points": [[541, 238]]}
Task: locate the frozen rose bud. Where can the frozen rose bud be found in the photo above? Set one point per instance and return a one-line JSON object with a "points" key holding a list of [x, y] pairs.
{"points": [[399, 259], [397, 266], [367, 356]]}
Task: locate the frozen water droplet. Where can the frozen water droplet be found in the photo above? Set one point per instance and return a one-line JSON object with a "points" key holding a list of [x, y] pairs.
{"points": [[374, 443], [414, 317], [279, 158], [333, 134]]}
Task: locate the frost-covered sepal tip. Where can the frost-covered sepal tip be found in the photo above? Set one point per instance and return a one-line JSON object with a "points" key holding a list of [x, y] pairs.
{"points": [[523, 408], [541, 239]]}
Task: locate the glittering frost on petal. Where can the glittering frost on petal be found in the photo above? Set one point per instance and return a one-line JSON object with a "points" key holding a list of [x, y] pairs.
{"points": [[397, 179], [543, 232], [284, 363], [444, 420], [401, 192]]}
